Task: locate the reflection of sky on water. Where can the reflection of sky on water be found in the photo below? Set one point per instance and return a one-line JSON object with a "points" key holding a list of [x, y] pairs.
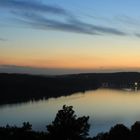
{"points": [[105, 107]]}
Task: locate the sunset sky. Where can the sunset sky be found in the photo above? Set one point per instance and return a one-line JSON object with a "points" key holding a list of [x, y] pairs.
{"points": [[68, 36]]}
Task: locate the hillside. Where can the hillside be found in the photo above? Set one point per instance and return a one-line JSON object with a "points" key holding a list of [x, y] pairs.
{"points": [[23, 87]]}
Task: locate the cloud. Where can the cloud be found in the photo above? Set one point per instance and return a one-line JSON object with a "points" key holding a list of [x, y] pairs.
{"points": [[59, 71], [137, 34], [3, 39], [127, 20], [39, 71], [31, 5], [36, 15]]}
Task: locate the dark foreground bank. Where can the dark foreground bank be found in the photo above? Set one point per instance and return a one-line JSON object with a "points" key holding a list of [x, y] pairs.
{"points": [[67, 126]]}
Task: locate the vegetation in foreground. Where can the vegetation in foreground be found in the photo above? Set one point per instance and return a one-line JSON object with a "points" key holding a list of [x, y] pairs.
{"points": [[67, 126]]}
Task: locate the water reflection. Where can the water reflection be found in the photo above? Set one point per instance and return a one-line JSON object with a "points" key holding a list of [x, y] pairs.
{"points": [[106, 107]]}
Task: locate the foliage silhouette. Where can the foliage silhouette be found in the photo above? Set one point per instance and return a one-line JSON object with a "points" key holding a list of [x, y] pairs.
{"points": [[119, 132], [66, 125], [22, 133], [27, 126], [135, 131]]}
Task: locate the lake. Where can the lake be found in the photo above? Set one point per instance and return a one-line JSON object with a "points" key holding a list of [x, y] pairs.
{"points": [[106, 107]]}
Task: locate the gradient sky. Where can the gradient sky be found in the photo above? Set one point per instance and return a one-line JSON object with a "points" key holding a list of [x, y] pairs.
{"points": [[69, 35]]}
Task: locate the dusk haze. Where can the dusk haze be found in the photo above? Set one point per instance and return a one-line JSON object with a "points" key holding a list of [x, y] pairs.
{"points": [[70, 69], [78, 35]]}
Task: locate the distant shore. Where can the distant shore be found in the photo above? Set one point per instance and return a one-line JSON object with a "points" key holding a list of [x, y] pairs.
{"points": [[22, 87]]}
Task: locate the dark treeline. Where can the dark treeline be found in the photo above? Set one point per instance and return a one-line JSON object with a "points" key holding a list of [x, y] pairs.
{"points": [[118, 132], [67, 126], [22, 87]]}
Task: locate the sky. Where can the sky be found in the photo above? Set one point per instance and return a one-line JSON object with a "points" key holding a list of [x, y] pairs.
{"points": [[69, 36]]}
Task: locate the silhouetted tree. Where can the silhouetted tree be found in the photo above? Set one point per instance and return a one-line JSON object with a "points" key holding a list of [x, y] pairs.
{"points": [[27, 126], [119, 132], [66, 125], [135, 131], [101, 136]]}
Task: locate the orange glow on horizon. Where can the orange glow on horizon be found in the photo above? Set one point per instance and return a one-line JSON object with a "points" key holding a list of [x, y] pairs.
{"points": [[80, 54], [72, 63]]}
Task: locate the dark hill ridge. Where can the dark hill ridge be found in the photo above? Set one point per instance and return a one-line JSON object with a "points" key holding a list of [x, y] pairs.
{"points": [[23, 87]]}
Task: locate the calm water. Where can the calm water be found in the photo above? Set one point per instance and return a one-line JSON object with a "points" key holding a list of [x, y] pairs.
{"points": [[105, 107]]}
